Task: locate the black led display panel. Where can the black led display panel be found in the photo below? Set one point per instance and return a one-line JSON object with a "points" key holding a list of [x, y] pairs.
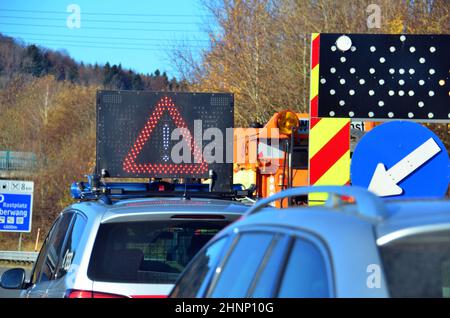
{"points": [[134, 134], [380, 76]]}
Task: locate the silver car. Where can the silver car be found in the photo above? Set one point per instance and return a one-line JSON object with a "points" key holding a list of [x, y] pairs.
{"points": [[373, 248], [131, 248]]}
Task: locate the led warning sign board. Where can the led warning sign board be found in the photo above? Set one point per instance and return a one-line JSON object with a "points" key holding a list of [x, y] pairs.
{"points": [[152, 134], [372, 76]]}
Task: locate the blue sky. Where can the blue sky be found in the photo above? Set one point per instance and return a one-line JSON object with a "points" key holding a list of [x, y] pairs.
{"points": [[138, 34]]}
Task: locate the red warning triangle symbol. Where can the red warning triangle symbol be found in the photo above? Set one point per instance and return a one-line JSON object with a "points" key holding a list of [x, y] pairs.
{"points": [[199, 166]]}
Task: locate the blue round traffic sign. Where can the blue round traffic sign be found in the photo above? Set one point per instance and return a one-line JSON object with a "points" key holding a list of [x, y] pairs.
{"points": [[401, 159]]}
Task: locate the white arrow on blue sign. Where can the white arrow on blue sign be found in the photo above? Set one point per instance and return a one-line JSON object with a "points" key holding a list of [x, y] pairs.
{"points": [[401, 159]]}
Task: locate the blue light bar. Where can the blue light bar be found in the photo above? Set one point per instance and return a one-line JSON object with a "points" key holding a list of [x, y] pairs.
{"points": [[91, 190]]}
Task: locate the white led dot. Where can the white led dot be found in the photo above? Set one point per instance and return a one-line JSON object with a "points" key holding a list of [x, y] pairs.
{"points": [[371, 92], [373, 48], [432, 71], [432, 49], [392, 49], [344, 43], [420, 104], [402, 38], [323, 81], [401, 93], [390, 114], [412, 49], [391, 93], [410, 115], [333, 48], [332, 92], [391, 71], [382, 60], [351, 114], [352, 70], [332, 113], [370, 114], [448, 115], [381, 103], [343, 59], [401, 82], [431, 93], [430, 115], [333, 70], [441, 82], [342, 81], [411, 71], [342, 102], [421, 60], [381, 82], [372, 70], [411, 93], [362, 81], [421, 82], [353, 49], [351, 92], [401, 71]]}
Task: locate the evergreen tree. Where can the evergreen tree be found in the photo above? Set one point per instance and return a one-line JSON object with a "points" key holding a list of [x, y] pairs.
{"points": [[33, 61], [107, 74], [137, 82]]}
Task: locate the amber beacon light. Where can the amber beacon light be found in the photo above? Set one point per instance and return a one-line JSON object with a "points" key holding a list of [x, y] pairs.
{"points": [[286, 121]]}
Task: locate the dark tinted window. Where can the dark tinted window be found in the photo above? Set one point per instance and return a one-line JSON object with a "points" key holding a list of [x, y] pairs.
{"points": [[55, 244], [42, 255], [418, 265], [306, 273], [73, 239], [197, 274], [148, 252], [239, 270], [265, 282]]}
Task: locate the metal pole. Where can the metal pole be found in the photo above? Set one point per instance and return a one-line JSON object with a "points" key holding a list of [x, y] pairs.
{"points": [[19, 248], [37, 239]]}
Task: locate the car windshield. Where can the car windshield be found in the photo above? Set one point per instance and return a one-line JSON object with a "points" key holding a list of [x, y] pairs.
{"points": [[148, 252], [418, 265]]}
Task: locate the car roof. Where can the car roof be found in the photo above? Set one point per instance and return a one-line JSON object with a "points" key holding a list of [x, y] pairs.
{"points": [[399, 218], [143, 208], [169, 204], [411, 217]]}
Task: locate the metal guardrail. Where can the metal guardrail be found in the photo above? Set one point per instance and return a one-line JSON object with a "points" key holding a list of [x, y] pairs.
{"points": [[16, 256]]}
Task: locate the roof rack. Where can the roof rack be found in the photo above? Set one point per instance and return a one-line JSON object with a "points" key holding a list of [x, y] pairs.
{"points": [[95, 189], [369, 205]]}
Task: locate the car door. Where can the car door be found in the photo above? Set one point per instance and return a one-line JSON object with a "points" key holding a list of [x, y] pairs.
{"points": [[48, 259], [59, 285]]}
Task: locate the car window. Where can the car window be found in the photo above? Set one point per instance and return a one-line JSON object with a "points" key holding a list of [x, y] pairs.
{"points": [[266, 279], [239, 269], [418, 265], [55, 244], [148, 252], [306, 273], [197, 274], [73, 238], [43, 254]]}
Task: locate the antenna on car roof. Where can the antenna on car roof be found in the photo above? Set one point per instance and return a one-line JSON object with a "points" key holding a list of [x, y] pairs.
{"points": [[185, 196], [211, 178]]}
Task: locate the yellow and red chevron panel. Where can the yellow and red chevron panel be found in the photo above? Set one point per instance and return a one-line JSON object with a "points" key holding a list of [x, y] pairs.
{"points": [[329, 138], [314, 82]]}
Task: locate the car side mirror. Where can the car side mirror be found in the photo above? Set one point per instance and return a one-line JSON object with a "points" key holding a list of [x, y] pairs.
{"points": [[13, 279]]}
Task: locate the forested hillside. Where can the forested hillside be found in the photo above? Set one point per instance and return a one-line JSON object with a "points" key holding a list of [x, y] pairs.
{"points": [[26, 61]]}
